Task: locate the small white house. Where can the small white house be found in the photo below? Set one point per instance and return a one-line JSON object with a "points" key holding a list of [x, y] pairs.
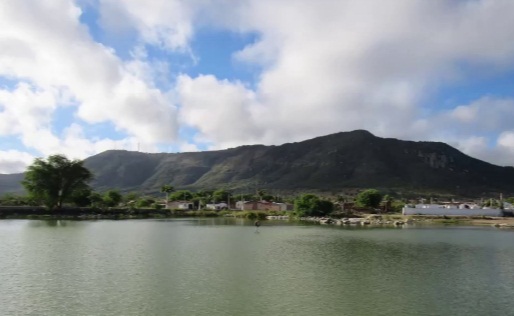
{"points": [[451, 210], [180, 205], [217, 206]]}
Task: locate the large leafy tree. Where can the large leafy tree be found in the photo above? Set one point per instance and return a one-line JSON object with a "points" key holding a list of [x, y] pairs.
{"points": [[181, 195], [202, 197], [81, 197], [369, 198], [112, 198], [312, 205], [221, 195], [55, 179]]}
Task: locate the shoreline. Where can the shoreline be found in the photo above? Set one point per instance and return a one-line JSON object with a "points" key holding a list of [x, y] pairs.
{"points": [[399, 220], [362, 219]]}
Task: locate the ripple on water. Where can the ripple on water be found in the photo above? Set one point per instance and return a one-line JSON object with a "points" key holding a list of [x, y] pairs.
{"points": [[202, 268]]}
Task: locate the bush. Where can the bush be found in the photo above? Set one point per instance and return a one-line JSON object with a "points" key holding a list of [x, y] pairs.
{"points": [[144, 202], [251, 214], [157, 206], [369, 198], [312, 205], [278, 213]]}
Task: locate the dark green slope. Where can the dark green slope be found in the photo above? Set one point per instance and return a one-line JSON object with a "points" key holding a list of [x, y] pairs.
{"points": [[11, 183], [355, 159], [345, 160]]}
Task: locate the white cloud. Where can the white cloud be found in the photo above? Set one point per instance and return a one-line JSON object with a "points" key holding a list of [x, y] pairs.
{"points": [[499, 150], [484, 114], [26, 108], [506, 140], [189, 147], [13, 161], [332, 66], [482, 119], [74, 144], [223, 112], [165, 23], [49, 52], [464, 114], [325, 66], [59, 54]]}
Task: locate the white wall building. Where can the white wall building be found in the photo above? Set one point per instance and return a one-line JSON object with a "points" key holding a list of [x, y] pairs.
{"points": [[464, 209], [180, 205], [217, 206]]}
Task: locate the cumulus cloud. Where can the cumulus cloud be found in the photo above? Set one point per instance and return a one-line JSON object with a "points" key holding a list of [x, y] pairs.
{"points": [[506, 139], [26, 108], [484, 114], [220, 110], [480, 128], [12, 161], [323, 66], [58, 53], [188, 147], [165, 23], [74, 143], [330, 66], [45, 48], [499, 151]]}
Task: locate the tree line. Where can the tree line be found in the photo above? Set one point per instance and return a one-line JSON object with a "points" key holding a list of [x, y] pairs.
{"points": [[58, 181]]}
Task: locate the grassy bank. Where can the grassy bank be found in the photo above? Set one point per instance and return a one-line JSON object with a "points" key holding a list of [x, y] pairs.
{"points": [[121, 213]]}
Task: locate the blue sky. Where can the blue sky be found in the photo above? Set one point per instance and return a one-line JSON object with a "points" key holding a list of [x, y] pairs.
{"points": [[175, 75]]}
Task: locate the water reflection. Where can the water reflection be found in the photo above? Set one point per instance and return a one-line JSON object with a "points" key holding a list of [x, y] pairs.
{"points": [[223, 267], [55, 223]]}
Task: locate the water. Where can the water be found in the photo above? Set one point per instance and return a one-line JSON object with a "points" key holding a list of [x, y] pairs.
{"points": [[225, 267]]}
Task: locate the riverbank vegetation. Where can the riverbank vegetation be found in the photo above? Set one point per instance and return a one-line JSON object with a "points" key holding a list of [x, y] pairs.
{"points": [[58, 187]]}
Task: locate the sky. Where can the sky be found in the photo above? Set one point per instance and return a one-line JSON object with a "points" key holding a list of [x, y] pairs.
{"points": [[81, 77]]}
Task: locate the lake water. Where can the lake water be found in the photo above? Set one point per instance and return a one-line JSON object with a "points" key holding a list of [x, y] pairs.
{"points": [[226, 267]]}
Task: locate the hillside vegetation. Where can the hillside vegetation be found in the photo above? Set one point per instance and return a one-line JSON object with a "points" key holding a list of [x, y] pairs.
{"points": [[346, 160]]}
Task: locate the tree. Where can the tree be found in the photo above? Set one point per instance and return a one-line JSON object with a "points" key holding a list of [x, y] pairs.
{"points": [[167, 189], [96, 200], [202, 197], [261, 193], [510, 200], [369, 198], [388, 201], [145, 202], [312, 205], [130, 197], [55, 179], [221, 195], [181, 195], [81, 197], [112, 198], [9, 199]]}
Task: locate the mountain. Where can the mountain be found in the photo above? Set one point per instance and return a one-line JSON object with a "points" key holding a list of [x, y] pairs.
{"points": [[11, 183], [346, 160]]}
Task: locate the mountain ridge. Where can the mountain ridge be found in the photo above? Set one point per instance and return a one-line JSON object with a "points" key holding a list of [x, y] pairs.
{"points": [[340, 161]]}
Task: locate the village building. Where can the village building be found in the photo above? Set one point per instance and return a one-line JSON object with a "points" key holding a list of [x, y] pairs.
{"points": [[263, 206], [217, 206], [180, 205]]}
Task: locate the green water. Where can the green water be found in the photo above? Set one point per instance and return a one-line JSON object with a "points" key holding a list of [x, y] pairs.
{"points": [[225, 267]]}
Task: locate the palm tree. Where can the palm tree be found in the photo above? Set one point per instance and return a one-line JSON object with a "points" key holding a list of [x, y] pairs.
{"points": [[388, 200], [261, 193], [167, 189], [203, 197]]}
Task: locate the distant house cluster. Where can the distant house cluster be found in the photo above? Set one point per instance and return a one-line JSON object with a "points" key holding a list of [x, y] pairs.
{"points": [[180, 205], [217, 206], [263, 206], [239, 205], [456, 209]]}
